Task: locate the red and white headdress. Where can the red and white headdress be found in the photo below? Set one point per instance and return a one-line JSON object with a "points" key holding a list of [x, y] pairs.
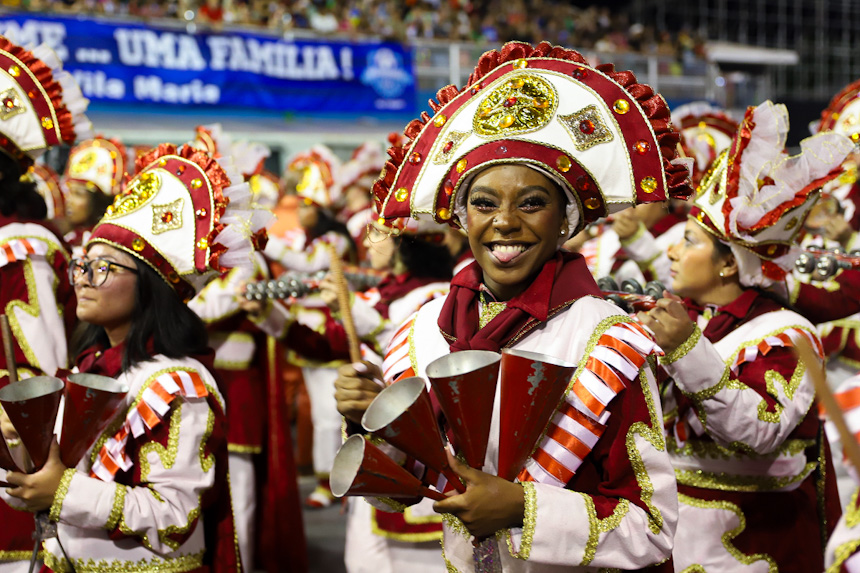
{"points": [[48, 186], [318, 184], [706, 131], [265, 189], [40, 104], [604, 138], [183, 215], [843, 113], [98, 162], [363, 167], [755, 198]]}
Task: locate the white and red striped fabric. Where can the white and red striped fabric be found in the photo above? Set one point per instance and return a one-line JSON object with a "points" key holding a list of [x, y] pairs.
{"points": [[147, 414], [786, 338], [19, 249]]}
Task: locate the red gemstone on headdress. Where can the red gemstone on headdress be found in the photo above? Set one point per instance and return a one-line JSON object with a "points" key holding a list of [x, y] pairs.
{"points": [[415, 157], [580, 73], [9, 102], [586, 126], [583, 184], [511, 101], [475, 88], [641, 147], [167, 217], [448, 147], [448, 187], [180, 170]]}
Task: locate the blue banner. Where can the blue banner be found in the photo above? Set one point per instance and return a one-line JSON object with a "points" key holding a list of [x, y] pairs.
{"points": [[132, 63]]}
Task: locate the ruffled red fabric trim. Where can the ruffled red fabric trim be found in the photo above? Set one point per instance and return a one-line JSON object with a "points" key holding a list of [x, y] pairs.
{"points": [[654, 106]]}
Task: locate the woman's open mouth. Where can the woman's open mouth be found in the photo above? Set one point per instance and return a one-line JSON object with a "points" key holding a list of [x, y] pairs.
{"points": [[506, 253]]}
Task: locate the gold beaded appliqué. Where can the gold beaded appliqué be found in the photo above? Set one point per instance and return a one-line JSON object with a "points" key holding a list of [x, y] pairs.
{"points": [[60, 494], [586, 127], [452, 141], [138, 192], [167, 217], [11, 104], [523, 103]]}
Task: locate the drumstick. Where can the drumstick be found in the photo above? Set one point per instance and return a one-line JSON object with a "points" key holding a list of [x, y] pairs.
{"points": [[8, 348], [828, 400], [343, 302]]}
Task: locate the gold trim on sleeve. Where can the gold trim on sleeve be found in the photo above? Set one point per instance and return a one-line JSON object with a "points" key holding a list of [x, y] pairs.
{"points": [[841, 555], [684, 348], [598, 526], [60, 494], [637, 234], [529, 522], [117, 508], [180, 564]]}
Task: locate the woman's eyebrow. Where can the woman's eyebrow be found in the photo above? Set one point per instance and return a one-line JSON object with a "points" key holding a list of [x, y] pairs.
{"points": [[483, 189], [531, 188]]}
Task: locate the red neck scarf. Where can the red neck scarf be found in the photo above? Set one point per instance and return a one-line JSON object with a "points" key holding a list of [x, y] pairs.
{"points": [[563, 279], [750, 304], [102, 361]]}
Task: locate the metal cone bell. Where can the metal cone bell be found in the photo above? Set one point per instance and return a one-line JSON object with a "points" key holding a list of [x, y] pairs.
{"points": [[464, 383], [531, 386], [402, 415], [90, 404], [32, 405], [360, 468]]}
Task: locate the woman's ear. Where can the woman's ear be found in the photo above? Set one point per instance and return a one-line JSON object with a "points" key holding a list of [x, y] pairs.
{"points": [[729, 266]]}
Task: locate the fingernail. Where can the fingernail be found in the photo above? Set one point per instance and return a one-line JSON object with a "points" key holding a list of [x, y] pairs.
{"points": [[360, 367]]}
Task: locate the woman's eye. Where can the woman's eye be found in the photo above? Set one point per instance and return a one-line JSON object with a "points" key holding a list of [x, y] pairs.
{"points": [[482, 204], [533, 204]]}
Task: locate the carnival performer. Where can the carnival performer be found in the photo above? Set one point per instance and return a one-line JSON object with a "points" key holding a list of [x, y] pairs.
{"points": [[48, 185], [356, 178], [645, 236], [33, 260], [152, 492], [268, 518], [309, 250], [841, 553], [94, 175], [743, 436], [523, 157]]}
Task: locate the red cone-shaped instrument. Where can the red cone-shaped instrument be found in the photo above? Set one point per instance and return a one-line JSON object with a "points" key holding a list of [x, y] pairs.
{"points": [[402, 415], [464, 383], [32, 405], [360, 468], [7, 462], [532, 384], [91, 402]]}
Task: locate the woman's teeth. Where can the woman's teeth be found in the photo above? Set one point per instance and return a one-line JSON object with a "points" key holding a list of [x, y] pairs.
{"points": [[506, 253]]}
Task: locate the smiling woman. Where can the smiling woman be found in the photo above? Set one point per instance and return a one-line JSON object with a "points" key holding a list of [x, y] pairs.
{"points": [[522, 158]]}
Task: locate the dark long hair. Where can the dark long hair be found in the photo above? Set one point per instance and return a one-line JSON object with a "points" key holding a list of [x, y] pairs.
{"points": [[424, 258], [161, 324], [19, 198]]}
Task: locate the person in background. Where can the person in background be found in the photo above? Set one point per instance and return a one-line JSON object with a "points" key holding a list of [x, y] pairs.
{"points": [[94, 176], [742, 430]]}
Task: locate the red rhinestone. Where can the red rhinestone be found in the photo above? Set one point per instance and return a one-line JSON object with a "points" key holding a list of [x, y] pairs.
{"points": [[180, 170], [167, 217], [448, 147], [415, 157], [583, 184], [586, 126], [475, 89], [641, 147], [448, 187], [580, 73], [511, 101], [9, 102]]}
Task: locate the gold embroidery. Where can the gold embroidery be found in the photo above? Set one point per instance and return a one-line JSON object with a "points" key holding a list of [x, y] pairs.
{"points": [[489, 311], [60, 494], [733, 482], [453, 523], [736, 450], [167, 217], [15, 555], [140, 190], [206, 462], [728, 536], [236, 449], [181, 564], [523, 103], [413, 358], [449, 567], [529, 522], [772, 377], [452, 141], [586, 127], [33, 309], [11, 104], [164, 534], [842, 553], [852, 512], [694, 569], [598, 526], [684, 348], [166, 455], [118, 505], [395, 506], [410, 537]]}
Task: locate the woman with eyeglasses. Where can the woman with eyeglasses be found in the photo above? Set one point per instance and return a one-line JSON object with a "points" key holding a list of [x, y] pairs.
{"points": [[152, 493], [535, 147]]}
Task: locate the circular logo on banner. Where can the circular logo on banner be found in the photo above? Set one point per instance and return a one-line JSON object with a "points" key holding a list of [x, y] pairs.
{"points": [[385, 73]]}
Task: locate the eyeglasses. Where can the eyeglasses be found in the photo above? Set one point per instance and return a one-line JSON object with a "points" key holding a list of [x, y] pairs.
{"points": [[96, 270]]}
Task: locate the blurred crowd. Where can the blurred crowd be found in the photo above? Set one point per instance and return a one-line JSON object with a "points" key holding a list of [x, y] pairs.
{"points": [[484, 21]]}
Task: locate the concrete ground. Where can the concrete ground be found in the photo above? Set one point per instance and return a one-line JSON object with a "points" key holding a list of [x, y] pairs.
{"points": [[325, 530]]}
